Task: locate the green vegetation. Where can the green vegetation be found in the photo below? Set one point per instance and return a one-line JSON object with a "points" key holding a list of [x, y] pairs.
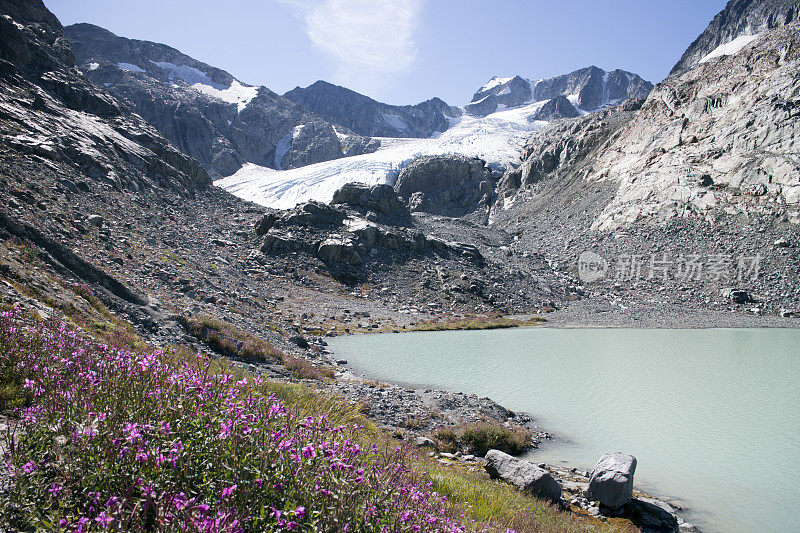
{"points": [[480, 437], [229, 341], [477, 322]]}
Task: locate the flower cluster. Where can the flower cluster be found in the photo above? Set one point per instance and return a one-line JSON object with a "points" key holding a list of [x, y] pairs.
{"points": [[120, 439]]}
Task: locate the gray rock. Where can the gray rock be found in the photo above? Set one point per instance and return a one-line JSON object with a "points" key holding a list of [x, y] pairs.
{"points": [[367, 117], [424, 442], [95, 220], [338, 249], [653, 515], [740, 17], [523, 474], [449, 185], [555, 108], [380, 198], [611, 482], [737, 296]]}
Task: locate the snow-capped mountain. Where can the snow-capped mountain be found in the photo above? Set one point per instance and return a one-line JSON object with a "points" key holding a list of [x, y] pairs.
{"points": [[496, 136], [735, 27], [589, 89], [371, 118], [205, 111]]}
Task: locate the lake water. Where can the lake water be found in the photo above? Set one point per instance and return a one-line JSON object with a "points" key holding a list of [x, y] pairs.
{"points": [[713, 416]]}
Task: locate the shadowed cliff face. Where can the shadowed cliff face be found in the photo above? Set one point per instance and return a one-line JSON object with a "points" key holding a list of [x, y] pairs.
{"points": [[739, 18], [205, 111], [51, 111]]}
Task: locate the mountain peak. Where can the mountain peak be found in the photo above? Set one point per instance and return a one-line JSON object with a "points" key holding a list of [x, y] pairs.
{"points": [[739, 18]]}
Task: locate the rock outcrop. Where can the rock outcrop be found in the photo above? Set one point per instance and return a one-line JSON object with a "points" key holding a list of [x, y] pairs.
{"points": [[448, 185], [51, 111], [555, 108], [364, 225], [205, 111], [592, 87], [374, 202], [371, 118], [739, 20], [611, 481], [524, 475]]}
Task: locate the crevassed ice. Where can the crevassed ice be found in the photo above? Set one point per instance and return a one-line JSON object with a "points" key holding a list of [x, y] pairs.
{"points": [[496, 138]]}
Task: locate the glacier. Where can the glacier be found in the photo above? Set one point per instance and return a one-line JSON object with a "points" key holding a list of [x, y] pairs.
{"points": [[497, 139]]}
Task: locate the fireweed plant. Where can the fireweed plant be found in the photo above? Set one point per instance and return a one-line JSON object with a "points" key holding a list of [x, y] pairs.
{"points": [[117, 439]]}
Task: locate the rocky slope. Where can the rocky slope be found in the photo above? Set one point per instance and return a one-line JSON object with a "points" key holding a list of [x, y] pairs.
{"points": [[204, 111], [590, 88], [739, 20], [50, 113], [369, 117], [706, 169]]}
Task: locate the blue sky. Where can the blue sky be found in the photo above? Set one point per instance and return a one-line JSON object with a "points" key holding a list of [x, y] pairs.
{"points": [[406, 51]]}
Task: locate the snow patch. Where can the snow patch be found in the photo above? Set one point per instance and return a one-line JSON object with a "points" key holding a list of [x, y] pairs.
{"points": [[505, 91], [283, 146], [731, 48], [494, 82], [93, 66], [186, 73], [235, 94], [395, 121], [130, 67]]}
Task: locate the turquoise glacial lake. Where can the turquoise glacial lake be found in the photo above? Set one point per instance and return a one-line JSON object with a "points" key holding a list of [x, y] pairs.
{"points": [[712, 415]]}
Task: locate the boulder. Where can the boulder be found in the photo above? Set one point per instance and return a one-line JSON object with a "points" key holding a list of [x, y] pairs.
{"points": [[339, 250], [449, 185], [379, 198], [525, 475], [611, 481], [737, 296], [95, 220], [424, 442]]}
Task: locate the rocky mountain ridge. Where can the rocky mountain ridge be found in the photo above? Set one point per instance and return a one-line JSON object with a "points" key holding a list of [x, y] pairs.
{"points": [[738, 20], [369, 117], [205, 111], [590, 89], [707, 166]]}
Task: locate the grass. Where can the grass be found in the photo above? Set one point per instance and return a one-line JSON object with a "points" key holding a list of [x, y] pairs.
{"points": [[474, 323], [496, 506], [482, 436], [228, 340]]}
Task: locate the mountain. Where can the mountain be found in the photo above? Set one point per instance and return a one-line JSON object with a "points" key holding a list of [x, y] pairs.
{"points": [[704, 173], [735, 26], [369, 117], [588, 89], [53, 114], [206, 112]]}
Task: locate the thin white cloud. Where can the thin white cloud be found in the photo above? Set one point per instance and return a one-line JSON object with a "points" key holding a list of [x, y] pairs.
{"points": [[366, 40]]}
